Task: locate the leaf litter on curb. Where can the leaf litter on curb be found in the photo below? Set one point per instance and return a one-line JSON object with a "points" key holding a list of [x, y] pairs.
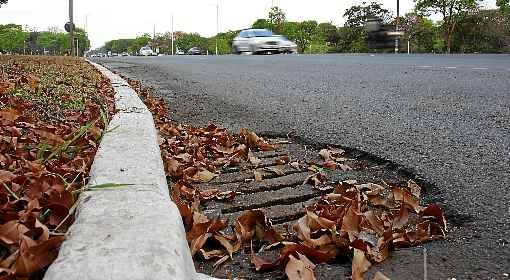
{"points": [[53, 113], [364, 221]]}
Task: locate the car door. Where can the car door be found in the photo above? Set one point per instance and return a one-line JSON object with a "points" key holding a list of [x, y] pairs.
{"points": [[243, 41]]}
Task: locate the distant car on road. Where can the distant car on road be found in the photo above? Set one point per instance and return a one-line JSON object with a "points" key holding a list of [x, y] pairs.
{"points": [[262, 41], [124, 54], [194, 51], [379, 35], [147, 51]]}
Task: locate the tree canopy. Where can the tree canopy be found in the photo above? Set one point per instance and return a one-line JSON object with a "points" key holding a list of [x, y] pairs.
{"points": [[504, 6], [12, 37], [357, 15], [452, 12]]}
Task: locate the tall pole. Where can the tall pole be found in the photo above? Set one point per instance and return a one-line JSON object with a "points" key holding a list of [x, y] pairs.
{"points": [[217, 25], [71, 33], [154, 38], [397, 25], [172, 34]]}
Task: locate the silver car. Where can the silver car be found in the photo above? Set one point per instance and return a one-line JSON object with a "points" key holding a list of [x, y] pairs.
{"points": [[262, 41]]}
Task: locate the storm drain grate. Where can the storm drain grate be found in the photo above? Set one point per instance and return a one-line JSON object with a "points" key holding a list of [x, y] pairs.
{"points": [[283, 195]]}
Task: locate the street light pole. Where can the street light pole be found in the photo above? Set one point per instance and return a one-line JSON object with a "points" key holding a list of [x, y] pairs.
{"points": [[217, 25], [87, 23], [71, 32], [172, 34], [397, 26]]}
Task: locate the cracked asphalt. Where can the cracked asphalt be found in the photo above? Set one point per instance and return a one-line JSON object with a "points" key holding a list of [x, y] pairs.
{"points": [[446, 118]]}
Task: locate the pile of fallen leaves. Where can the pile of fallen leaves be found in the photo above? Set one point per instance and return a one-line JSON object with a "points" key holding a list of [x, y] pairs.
{"points": [[364, 221], [53, 112]]}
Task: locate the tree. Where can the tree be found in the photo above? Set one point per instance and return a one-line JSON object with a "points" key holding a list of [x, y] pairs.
{"points": [[277, 18], [328, 32], [484, 31], [357, 15], [139, 42], [419, 32], [83, 39], [119, 45], [504, 6], [452, 12], [190, 40], [2, 2], [262, 23], [12, 37], [354, 35], [224, 42]]}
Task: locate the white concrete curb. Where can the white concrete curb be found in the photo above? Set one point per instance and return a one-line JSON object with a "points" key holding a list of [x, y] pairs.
{"points": [[133, 232]]}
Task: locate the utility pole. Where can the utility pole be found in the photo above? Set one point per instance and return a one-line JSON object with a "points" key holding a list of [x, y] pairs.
{"points": [[87, 23], [172, 33], [397, 26], [217, 25], [71, 32]]}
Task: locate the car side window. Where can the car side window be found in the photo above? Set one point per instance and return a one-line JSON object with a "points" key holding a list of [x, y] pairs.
{"points": [[242, 34], [248, 34]]}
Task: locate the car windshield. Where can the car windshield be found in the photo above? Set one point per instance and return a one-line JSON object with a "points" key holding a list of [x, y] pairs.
{"points": [[262, 33]]}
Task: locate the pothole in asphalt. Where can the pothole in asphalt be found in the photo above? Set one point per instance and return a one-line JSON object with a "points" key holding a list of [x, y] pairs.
{"points": [[285, 207], [283, 195]]}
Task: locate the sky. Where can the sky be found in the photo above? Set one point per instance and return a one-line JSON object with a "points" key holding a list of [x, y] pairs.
{"points": [[115, 19]]}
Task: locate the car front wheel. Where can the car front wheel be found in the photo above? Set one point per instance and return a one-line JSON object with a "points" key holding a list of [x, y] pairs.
{"points": [[235, 50]]}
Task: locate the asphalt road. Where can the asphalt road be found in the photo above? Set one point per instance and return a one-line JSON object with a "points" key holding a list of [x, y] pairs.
{"points": [[445, 117]]}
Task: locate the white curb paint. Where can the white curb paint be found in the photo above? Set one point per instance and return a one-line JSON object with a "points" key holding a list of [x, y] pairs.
{"points": [[134, 232]]}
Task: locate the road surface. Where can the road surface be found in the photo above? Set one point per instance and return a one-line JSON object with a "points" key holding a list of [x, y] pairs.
{"points": [[445, 117]]}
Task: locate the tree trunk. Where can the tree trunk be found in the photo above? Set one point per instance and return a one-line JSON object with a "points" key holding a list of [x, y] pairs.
{"points": [[449, 36]]}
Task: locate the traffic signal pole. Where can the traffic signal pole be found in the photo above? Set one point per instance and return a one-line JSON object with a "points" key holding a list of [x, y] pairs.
{"points": [[71, 32], [397, 26]]}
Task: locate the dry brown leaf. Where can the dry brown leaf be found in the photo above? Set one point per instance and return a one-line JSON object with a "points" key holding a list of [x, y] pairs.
{"points": [[199, 242], [225, 243], [247, 223], [9, 116], [204, 176], [258, 175], [360, 265], [414, 188], [295, 165], [11, 232], [36, 257], [221, 261], [275, 170], [300, 269], [380, 276], [253, 159], [6, 177], [212, 254], [329, 164], [402, 218], [434, 211], [173, 168]]}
